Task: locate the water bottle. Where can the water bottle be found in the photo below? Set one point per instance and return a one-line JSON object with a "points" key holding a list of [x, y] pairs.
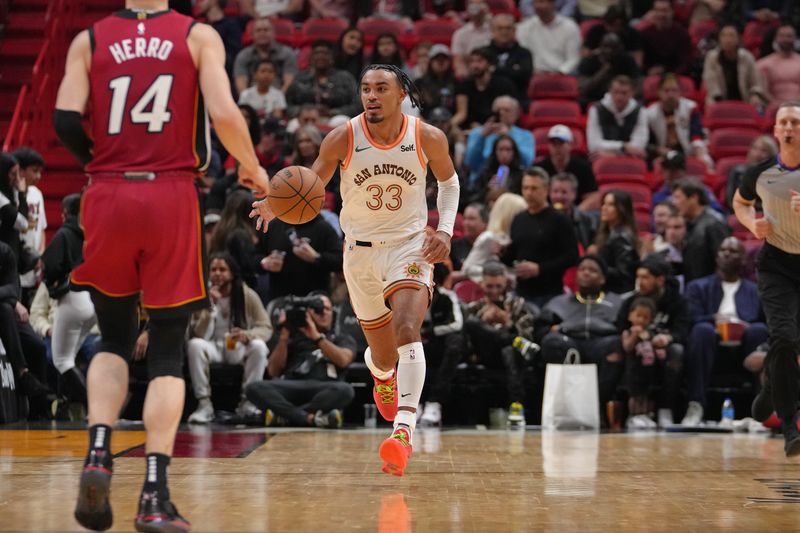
{"points": [[727, 413]]}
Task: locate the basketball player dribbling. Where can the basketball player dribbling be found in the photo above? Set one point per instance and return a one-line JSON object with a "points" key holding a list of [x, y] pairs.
{"points": [[389, 253], [149, 75]]}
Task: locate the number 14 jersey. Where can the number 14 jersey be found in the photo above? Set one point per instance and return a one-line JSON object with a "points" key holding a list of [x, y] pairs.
{"points": [[147, 113], [383, 185]]}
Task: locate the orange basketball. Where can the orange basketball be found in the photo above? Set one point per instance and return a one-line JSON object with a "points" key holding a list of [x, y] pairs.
{"points": [[297, 194]]}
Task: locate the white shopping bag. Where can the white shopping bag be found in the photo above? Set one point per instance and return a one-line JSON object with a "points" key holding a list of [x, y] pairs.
{"points": [[570, 395]]}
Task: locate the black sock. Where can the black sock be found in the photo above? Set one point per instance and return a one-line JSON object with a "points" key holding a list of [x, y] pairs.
{"points": [[156, 476], [99, 443]]}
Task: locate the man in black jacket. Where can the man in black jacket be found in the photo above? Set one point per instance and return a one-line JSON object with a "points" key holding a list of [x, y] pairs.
{"points": [[26, 351], [671, 325], [584, 321], [513, 61]]}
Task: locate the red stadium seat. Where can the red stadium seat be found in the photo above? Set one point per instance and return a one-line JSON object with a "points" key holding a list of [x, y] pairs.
{"points": [[694, 167], [726, 164], [754, 32], [304, 57], [634, 179], [558, 86], [650, 88], [546, 113], [437, 31], [372, 27], [768, 120], [503, 6], [731, 114], [328, 29], [728, 142], [620, 165], [587, 25], [701, 29], [643, 222], [468, 291]]}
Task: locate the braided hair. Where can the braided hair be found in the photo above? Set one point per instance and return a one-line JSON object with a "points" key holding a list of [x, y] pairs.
{"points": [[402, 78]]}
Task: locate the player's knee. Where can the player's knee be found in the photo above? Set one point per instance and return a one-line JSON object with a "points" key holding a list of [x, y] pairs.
{"points": [[165, 351], [406, 330]]}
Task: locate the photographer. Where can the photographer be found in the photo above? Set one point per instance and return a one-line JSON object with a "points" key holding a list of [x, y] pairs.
{"points": [[300, 259], [304, 366], [234, 331]]}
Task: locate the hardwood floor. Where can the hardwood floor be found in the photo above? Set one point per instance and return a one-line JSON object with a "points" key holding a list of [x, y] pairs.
{"points": [[459, 480]]}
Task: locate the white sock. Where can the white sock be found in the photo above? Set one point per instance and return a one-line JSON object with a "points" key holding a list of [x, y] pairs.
{"points": [[382, 375], [410, 380]]}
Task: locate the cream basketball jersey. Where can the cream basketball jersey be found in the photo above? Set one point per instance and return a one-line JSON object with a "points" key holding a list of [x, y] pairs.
{"points": [[383, 186]]}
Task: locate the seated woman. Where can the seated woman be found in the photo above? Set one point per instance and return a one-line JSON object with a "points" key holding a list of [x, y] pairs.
{"points": [[617, 241], [763, 147], [489, 243], [502, 172]]}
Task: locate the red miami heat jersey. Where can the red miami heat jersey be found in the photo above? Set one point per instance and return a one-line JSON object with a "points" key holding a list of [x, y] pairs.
{"points": [[147, 110]]}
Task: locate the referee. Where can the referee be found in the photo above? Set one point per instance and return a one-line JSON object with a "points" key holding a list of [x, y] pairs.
{"points": [[776, 183]]}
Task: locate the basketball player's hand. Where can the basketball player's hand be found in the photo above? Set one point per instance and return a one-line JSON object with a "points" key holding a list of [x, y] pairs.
{"points": [[761, 228], [255, 180], [263, 214], [436, 247]]}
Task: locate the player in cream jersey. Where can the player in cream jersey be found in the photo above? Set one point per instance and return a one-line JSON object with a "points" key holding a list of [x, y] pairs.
{"points": [[383, 186], [389, 253]]}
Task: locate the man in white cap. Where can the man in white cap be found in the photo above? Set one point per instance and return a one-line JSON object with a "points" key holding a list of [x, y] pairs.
{"points": [[560, 159]]}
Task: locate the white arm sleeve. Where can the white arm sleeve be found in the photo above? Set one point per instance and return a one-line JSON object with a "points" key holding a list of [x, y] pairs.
{"points": [[447, 203]]}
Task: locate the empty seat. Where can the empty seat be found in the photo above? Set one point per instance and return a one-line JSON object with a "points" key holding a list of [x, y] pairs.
{"points": [[550, 112], [619, 165], [372, 27], [328, 29], [728, 142], [437, 31], [731, 114], [557, 86]]}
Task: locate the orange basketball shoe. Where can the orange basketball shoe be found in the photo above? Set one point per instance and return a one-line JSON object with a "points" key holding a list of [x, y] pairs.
{"points": [[395, 451], [385, 395]]}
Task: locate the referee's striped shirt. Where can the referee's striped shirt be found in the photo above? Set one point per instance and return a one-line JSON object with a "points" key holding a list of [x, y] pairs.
{"points": [[773, 183]]}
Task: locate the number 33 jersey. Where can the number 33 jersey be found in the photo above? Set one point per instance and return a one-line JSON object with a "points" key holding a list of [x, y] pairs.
{"points": [[383, 185], [147, 113]]}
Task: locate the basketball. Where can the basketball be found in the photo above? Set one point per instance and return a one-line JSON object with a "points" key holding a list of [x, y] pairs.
{"points": [[297, 194]]}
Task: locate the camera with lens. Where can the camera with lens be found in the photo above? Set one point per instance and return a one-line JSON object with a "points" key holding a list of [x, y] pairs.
{"points": [[296, 307]]}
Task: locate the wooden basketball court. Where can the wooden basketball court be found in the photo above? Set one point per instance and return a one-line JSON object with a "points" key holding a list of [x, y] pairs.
{"points": [[458, 480]]}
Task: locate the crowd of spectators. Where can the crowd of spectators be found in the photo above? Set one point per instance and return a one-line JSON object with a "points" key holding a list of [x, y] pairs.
{"points": [[595, 210]]}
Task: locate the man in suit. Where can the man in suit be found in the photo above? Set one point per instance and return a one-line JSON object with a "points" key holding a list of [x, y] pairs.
{"points": [[716, 301]]}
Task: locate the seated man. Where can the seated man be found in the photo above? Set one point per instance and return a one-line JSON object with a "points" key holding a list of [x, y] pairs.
{"points": [[494, 324], [717, 301], [585, 321], [443, 339], [235, 331], [617, 124], [305, 367], [25, 350], [670, 327]]}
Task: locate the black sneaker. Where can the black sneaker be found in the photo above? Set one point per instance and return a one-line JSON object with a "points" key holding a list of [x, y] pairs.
{"points": [[762, 407], [791, 437], [159, 516], [93, 510]]}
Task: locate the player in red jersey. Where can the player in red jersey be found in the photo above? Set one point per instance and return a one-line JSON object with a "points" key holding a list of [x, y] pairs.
{"points": [[148, 75]]}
